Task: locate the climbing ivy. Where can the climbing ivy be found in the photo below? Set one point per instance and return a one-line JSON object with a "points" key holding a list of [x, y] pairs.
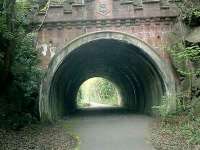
{"points": [[190, 12], [183, 123], [185, 54]]}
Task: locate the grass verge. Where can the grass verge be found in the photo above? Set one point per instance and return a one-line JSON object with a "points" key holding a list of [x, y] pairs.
{"points": [[177, 132]]}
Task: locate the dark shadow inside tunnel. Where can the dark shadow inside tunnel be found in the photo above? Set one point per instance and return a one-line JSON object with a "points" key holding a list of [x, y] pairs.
{"points": [[134, 73]]}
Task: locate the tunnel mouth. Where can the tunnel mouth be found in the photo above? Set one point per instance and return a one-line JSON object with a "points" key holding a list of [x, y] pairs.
{"points": [[141, 76], [98, 93], [137, 77]]}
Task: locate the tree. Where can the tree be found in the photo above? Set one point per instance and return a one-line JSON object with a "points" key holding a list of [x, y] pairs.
{"points": [[9, 26], [20, 75], [8, 19]]}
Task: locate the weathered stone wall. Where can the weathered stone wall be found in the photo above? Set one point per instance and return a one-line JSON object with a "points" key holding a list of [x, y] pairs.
{"points": [[134, 33], [141, 75], [149, 20]]}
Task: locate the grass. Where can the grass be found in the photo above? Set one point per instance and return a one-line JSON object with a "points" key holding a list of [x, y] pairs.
{"points": [[68, 125], [177, 132]]}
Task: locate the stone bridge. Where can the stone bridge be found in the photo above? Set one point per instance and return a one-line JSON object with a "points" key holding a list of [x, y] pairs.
{"points": [[121, 40]]}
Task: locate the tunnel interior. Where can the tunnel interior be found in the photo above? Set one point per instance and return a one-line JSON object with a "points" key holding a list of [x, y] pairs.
{"points": [[134, 73]]}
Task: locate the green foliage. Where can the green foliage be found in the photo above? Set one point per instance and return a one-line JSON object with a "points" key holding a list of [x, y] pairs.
{"points": [[183, 125], [19, 102], [190, 12], [162, 109], [98, 90], [107, 92], [184, 53], [28, 3], [106, 89], [191, 131], [21, 97], [178, 132], [26, 73]]}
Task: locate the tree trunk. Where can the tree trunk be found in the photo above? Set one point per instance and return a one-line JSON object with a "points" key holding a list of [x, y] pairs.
{"points": [[10, 21]]}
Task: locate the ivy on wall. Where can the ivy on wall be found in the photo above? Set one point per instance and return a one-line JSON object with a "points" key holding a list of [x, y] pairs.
{"points": [[190, 12], [184, 55]]}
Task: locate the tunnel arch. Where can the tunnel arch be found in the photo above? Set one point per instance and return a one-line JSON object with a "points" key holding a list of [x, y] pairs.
{"points": [[142, 76]]}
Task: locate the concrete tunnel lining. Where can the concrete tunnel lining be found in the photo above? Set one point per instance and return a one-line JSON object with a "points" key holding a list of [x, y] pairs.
{"points": [[141, 76]]}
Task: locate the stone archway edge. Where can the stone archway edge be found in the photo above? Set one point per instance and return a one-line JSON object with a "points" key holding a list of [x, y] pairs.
{"points": [[164, 68]]}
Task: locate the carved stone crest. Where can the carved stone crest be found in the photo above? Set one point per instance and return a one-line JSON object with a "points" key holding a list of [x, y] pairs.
{"points": [[103, 7]]}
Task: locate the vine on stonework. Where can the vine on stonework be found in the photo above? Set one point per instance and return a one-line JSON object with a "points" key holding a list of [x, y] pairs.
{"points": [[190, 12], [185, 54]]}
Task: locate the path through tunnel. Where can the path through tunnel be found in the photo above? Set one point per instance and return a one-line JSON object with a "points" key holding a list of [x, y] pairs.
{"points": [[134, 68]]}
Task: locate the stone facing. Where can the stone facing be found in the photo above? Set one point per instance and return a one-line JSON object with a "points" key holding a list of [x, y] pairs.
{"points": [[148, 20], [109, 22], [49, 104]]}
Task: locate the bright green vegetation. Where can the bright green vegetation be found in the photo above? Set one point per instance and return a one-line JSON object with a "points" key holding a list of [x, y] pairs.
{"points": [[190, 12], [19, 59], [183, 52], [98, 90], [181, 129]]}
